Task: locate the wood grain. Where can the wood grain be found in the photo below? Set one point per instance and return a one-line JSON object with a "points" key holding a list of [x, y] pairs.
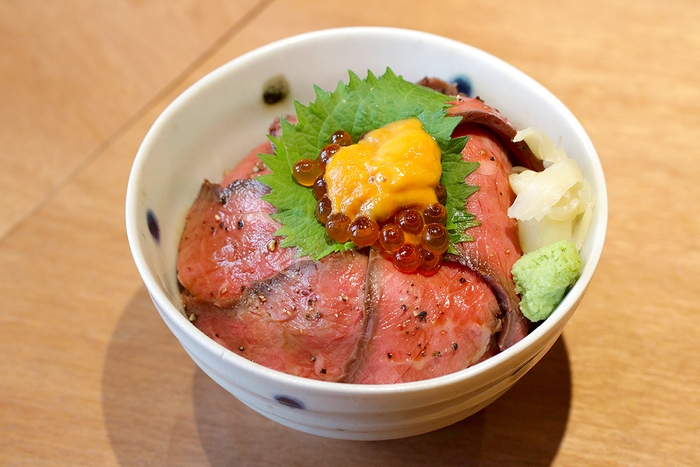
{"points": [[89, 375], [72, 76]]}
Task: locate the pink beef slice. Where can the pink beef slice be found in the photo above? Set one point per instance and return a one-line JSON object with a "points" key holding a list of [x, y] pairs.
{"points": [[474, 111], [423, 327], [275, 129], [496, 246], [229, 242], [250, 166], [305, 321]]}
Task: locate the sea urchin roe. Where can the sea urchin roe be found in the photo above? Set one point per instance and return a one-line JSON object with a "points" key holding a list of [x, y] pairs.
{"points": [[391, 167], [383, 192]]}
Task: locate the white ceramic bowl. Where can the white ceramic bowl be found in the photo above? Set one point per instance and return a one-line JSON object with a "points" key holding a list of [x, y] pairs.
{"points": [[222, 116]]}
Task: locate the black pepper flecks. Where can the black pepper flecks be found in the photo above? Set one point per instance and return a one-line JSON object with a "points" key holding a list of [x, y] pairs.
{"points": [[225, 195]]}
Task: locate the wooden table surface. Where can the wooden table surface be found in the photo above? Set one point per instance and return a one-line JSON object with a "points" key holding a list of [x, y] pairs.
{"points": [[89, 374]]}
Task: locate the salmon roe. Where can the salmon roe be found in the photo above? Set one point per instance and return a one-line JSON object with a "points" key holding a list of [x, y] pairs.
{"points": [[414, 240]]}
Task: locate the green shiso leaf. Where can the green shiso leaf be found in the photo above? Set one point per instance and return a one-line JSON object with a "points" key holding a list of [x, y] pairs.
{"points": [[359, 106]]}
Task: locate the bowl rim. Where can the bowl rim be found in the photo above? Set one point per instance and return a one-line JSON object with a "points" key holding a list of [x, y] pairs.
{"points": [[554, 323]]}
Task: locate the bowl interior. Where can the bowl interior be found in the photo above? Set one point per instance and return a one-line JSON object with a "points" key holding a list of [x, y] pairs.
{"points": [[213, 124]]}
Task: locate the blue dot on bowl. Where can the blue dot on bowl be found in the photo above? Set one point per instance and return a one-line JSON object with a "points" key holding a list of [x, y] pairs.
{"points": [[153, 226], [290, 402], [464, 84]]}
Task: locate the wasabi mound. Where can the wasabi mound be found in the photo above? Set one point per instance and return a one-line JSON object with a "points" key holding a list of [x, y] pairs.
{"points": [[542, 278]]}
